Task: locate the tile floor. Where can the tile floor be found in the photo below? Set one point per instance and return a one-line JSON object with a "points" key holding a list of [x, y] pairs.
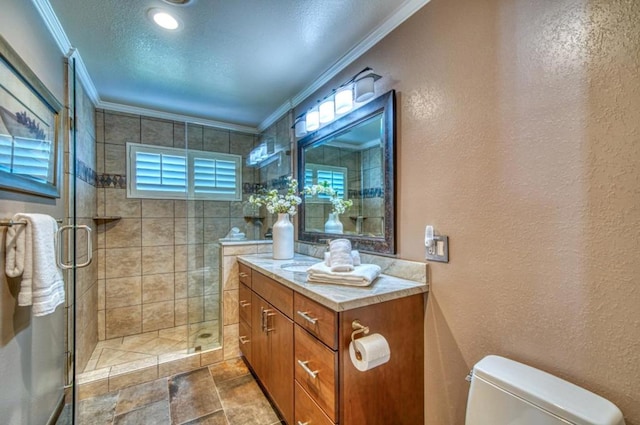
{"points": [[152, 345], [222, 394]]}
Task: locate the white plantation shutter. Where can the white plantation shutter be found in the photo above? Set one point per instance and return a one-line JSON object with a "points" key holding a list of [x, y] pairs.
{"points": [[171, 173], [335, 176], [26, 157], [216, 176], [160, 172]]}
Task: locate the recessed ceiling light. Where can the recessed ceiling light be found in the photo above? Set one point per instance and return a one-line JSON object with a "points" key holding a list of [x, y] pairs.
{"points": [[164, 19], [179, 2]]}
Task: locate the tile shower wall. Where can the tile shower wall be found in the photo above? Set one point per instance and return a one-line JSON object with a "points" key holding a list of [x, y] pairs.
{"points": [[85, 179], [158, 264]]}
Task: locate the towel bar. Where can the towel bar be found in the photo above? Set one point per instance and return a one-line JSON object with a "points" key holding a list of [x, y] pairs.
{"points": [[10, 223]]}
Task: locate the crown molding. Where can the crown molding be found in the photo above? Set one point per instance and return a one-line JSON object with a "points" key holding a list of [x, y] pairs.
{"points": [[275, 115], [55, 28], [118, 107], [401, 15], [64, 44]]}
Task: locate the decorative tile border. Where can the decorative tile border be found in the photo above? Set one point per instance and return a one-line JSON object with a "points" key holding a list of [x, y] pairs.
{"points": [[373, 192], [251, 188], [111, 181], [85, 173]]}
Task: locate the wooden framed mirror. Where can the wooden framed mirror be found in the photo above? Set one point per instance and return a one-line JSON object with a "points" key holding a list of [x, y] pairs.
{"points": [[355, 155]]}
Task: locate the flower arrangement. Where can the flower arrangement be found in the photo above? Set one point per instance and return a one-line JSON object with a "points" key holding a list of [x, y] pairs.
{"points": [[277, 202], [338, 205]]}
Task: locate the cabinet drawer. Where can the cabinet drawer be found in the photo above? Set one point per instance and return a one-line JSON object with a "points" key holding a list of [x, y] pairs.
{"points": [[245, 340], [319, 320], [244, 303], [315, 371], [244, 273], [278, 295], [307, 411]]}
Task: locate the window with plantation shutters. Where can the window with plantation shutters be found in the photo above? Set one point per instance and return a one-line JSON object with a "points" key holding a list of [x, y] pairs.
{"points": [[171, 173], [26, 157], [336, 177]]}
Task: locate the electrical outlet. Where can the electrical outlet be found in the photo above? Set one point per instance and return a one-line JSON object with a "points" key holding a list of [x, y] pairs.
{"points": [[439, 250]]}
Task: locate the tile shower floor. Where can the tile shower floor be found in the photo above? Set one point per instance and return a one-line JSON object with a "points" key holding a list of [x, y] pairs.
{"points": [[152, 347], [221, 394]]}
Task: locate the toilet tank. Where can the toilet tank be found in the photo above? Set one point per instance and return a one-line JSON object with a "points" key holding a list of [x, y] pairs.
{"points": [[505, 392]]}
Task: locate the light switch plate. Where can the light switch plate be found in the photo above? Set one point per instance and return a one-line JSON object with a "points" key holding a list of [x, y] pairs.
{"points": [[440, 249]]}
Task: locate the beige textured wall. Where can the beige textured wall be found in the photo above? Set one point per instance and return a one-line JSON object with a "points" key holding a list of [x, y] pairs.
{"points": [[519, 138]]}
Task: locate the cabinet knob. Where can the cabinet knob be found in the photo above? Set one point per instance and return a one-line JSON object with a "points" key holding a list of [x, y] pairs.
{"points": [[303, 423], [243, 339], [311, 373], [243, 274], [244, 303], [305, 316]]}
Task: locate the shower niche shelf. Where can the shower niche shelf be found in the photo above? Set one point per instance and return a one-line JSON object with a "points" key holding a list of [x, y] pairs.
{"points": [[106, 218]]}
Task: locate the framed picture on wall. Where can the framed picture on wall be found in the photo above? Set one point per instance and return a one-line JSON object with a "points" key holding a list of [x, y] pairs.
{"points": [[30, 155]]}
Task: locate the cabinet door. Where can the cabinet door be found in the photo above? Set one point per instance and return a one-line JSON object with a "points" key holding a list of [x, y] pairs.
{"points": [[244, 338], [280, 331], [259, 339], [244, 303]]}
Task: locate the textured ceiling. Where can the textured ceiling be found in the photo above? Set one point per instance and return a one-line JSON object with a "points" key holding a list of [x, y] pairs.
{"points": [[233, 61]]}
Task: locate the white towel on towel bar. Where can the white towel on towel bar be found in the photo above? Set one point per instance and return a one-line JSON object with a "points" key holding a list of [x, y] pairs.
{"points": [[362, 275], [31, 253]]}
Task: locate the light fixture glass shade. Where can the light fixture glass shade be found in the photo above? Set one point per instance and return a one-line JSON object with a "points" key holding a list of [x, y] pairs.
{"points": [[365, 88], [327, 112], [300, 127], [344, 99], [313, 119]]}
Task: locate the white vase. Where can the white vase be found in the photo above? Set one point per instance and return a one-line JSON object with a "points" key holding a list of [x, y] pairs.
{"points": [[283, 238], [333, 224]]}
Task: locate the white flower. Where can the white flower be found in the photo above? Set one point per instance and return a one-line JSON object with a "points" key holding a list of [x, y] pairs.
{"points": [[338, 205], [278, 203]]}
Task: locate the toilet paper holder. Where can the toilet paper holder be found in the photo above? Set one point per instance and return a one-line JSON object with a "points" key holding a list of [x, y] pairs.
{"points": [[358, 328]]}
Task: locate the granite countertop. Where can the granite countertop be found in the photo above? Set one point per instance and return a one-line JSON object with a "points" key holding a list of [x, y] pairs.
{"points": [[335, 297]]}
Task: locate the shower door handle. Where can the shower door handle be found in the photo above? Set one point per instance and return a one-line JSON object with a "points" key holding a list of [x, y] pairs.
{"points": [[60, 247]]}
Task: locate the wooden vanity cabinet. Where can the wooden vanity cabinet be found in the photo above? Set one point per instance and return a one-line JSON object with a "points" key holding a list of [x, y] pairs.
{"points": [[306, 368], [272, 343]]}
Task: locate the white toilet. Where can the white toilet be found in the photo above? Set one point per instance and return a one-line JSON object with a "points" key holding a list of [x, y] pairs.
{"points": [[505, 392]]}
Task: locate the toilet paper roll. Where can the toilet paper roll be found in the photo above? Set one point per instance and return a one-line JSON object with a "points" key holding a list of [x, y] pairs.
{"points": [[374, 349]]}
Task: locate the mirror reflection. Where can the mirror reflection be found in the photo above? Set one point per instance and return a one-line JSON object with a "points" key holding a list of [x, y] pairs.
{"points": [[346, 170], [349, 163]]}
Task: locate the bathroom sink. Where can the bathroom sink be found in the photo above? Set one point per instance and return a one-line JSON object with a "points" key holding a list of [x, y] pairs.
{"points": [[298, 266]]}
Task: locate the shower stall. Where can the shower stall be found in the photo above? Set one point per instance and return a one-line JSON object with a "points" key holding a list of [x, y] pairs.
{"points": [[143, 288]]}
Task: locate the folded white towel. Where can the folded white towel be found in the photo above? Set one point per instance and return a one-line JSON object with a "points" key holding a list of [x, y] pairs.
{"points": [[356, 258], [32, 249], [15, 246], [341, 260], [354, 254], [362, 275]]}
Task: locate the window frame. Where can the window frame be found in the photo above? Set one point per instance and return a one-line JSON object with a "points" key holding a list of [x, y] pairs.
{"points": [[190, 156]]}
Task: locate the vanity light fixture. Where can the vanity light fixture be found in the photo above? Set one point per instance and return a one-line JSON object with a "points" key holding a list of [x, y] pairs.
{"points": [[344, 99], [300, 126], [313, 119], [164, 19], [327, 110], [338, 103], [364, 89]]}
